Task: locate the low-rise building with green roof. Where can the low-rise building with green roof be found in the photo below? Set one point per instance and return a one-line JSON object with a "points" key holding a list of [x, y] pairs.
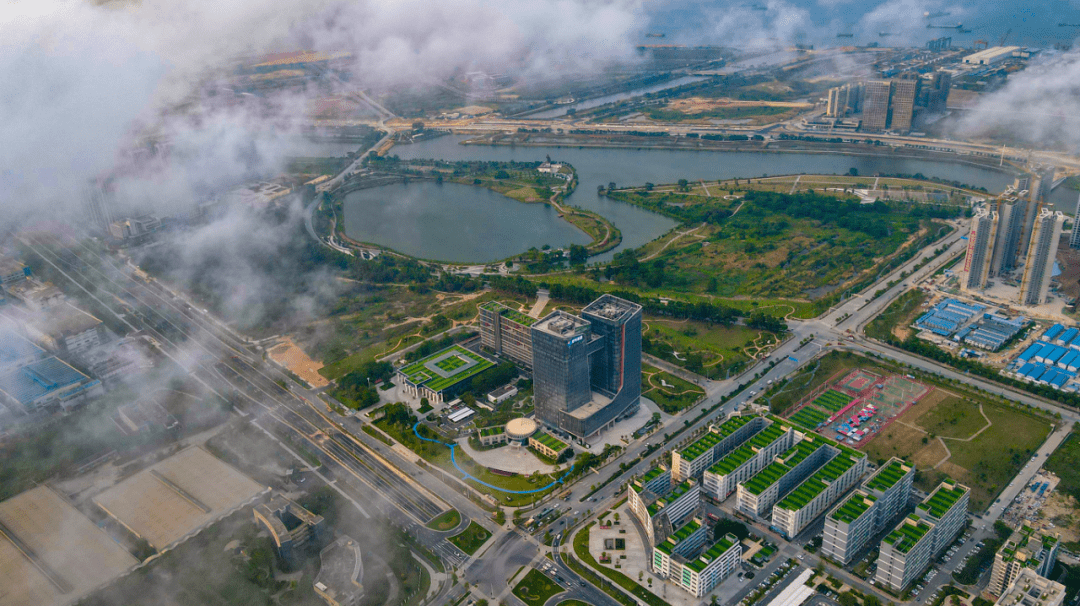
{"points": [[905, 553], [739, 465], [490, 436], [817, 493], [547, 444], [697, 573], [757, 495], [443, 374], [692, 460]]}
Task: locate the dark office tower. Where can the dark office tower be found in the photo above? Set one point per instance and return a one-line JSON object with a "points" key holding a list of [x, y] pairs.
{"points": [[587, 370], [876, 105], [561, 344], [938, 92], [902, 102], [616, 367], [1041, 183]]}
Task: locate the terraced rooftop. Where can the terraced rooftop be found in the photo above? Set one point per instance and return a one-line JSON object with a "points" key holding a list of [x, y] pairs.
{"points": [[942, 499], [766, 436], [815, 484], [887, 476], [717, 550], [908, 534], [550, 441], [853, 507], [733, 460], [639, 484], [779, 468], [712, 438], [669, 498], [509, 313], [680, 535]]}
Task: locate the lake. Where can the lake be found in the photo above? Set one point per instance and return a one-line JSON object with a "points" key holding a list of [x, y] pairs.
{"points": [[453, 222]]}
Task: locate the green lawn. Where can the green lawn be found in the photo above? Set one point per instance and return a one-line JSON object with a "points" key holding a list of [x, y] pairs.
{"points": [[671, 400], [536, 588], [713, 351], [953, 418], [471, 539], [901, 312], [447, 520], [1065, 462]]}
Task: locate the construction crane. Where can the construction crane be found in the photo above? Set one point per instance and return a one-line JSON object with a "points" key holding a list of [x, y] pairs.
{"points": [[1004, 37], [982, 43]]}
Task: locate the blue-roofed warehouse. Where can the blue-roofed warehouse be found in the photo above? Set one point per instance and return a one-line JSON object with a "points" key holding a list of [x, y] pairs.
{"points": [[46, 382], [1052, 332], [1066, 337], [15, 350]]}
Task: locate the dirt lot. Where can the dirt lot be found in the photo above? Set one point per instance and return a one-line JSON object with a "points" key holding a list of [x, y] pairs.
{"points": [[289, 355], [699, 105]]}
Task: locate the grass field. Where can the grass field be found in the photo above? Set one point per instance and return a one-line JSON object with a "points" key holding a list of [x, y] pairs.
{"points": [[447, 520], [1065, 462], [471, 539], [536, 589], [709, 350], [897, 316], [671, 400], [985, 462]]}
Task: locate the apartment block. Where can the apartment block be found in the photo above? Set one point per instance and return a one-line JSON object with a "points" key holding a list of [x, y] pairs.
{"points": [[1039, 264], [849, 527], [876, 105], [946, 509], [817, 493], [905, 553], [660, 506], [693, 460], [1026, 549], [757, 495], [646, 489], [980, 248], [722, 479], [891, 486], [1030, 589], [697, 575]]}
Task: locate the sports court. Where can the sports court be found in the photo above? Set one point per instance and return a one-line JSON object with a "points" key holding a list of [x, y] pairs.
{"points": [[857, 406]]}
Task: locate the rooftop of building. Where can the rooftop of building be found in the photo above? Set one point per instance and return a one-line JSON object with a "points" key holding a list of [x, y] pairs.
{"points": [[563, 325], [15, 348], [492, 431], [815, 484], [943, 498], [1030, 589], [445, 368], [712, 437], [725, 544], [67, 319], [680, 535], [887, 475], [509, 313], [675, 494], [549, 440], [908, 533], [612, 308], [733, 460], [36, 379], [853, 507], [341, 571]]}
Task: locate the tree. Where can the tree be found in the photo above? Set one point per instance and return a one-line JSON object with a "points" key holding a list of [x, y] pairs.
{"points": [[871, 600], [684, 185], [848, 599], [578, 254], [854, 172], [616, 517], [611, 185]]}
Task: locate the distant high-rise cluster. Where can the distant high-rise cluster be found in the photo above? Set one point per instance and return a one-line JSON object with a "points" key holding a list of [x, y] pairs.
{"points": [[1074, 239], [890, 104], [1016, 231]]}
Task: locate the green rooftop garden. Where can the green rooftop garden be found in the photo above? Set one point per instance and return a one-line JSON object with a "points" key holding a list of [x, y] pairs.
{"points": [[853, 507], [669, 498], [679, 536], [550, 441], [492, 431], [509, 313], [779, 468], [712, 438], [732, 461], [419, 373], [908, 534], [887, 476], [942, 499], [766, 436], [717, 550], [815, 484]]}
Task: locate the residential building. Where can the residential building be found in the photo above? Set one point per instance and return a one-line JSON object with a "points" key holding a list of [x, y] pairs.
{"points": [[817, 493], [980, 248], [905, 553], [686, 542], [859, 517], [507, 332], [757, 495], [1030, 589], [697, 574], [719, 440], [291, 526], [660, 506], [876, 105], [646, 489], [1039, 264], [1041, 181], [1026, 549], [340, 581], [97, 206], [902, 102], [1011, 210], [739, 465], [587, 369], [849, 526], [938, 91], [946, 509]]}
